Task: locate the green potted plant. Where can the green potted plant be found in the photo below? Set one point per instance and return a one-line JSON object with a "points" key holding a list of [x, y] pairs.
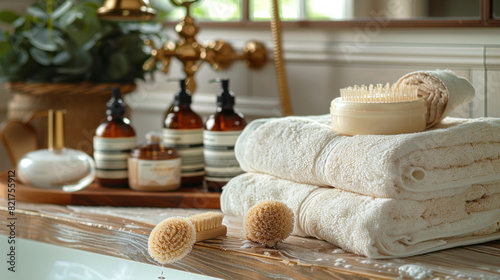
{"points": [[61, 55]]}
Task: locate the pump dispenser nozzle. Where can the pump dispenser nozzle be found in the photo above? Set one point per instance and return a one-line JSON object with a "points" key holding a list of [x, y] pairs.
{"points": [[183, 97], [225, 97], [116, 106]]}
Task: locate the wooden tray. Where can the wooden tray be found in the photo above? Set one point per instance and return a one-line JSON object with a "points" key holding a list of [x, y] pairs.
{"points": [[99, 196]]}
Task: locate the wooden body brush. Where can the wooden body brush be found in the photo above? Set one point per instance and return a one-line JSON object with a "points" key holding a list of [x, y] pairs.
{"points": [[173, 238]]}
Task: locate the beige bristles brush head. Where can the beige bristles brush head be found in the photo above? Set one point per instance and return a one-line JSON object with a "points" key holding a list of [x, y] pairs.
{"points": [[173, 238], [378, 110], [379, 93], [208, 225], [268, 222]]}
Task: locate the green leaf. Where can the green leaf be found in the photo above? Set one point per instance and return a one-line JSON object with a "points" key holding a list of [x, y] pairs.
{"points": [[90, 44], [14, 60], [8, 16], [94, 5], [62, 9], [84, 27], [41, 57], [69, 17], [118, 66], [4, 48], [79, 63], [61, 58], [37, 12], [19, 22], [60, 42], [43, 39], [22, 57]]}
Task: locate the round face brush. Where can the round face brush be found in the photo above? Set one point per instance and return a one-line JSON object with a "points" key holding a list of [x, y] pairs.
{"points": [[171, 240], [268, 222]]}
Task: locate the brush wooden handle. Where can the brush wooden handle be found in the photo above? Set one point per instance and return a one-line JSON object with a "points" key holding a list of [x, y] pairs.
{"points": [[211, 233]]}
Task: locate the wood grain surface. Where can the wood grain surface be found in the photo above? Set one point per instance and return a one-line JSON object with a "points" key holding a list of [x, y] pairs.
{"points": [[123, 232]]}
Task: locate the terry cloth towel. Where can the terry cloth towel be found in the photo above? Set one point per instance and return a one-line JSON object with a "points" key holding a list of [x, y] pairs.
{"points": [[374, 227], [442, 90], [306, 150]]}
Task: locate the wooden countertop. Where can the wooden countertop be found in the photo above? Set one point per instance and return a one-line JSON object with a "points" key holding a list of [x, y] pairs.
{"points": [[123, 232], [95, 195]]}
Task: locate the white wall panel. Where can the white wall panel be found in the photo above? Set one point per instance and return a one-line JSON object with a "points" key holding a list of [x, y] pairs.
{"points": [[493, 94], [478, 106], [492, 62]]}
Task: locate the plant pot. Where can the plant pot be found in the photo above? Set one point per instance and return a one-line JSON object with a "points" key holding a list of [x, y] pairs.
{"points": [[85, 106]]}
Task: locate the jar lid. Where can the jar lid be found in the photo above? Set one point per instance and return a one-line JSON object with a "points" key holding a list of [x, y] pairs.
{"points": [[153, 137], [154, 149]]}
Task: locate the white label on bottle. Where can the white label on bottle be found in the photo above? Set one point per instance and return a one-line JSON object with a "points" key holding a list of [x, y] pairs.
{"points": [[159, 172], [220, 162], [189, 145], [110, 155]]}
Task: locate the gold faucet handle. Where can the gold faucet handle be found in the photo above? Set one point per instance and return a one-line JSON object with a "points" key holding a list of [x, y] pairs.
{"points": [[150, 62], [165, 54], [255, 54], [219, 54], [162, 55]]}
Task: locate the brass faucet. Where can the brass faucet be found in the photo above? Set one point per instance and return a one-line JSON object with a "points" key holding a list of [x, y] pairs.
{"points": [[219, 54]]}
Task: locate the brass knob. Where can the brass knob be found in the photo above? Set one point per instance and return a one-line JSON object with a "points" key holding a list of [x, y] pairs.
{"points": [[219, 54], [256, 54]]}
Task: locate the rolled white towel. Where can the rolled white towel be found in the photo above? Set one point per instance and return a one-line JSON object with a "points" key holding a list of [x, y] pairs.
{"points": [[442, 90]]}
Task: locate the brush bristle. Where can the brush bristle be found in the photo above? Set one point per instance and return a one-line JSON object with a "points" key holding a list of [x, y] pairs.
{"points": [[171, 240], [208, 225], [379, 93], [207, 220], [269, 222]]}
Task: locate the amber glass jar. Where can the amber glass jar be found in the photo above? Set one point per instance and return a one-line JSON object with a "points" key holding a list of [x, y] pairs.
{"points": [[219, 138], [113, 142], [183, 130], [154, 166]]}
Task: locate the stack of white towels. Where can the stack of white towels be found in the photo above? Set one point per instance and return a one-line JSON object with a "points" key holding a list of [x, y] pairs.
{"points": [[381, 196]]}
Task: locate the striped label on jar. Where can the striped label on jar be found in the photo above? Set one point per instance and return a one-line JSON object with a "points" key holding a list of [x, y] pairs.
{"points": [[189, 145], [220, 162], [110, 156]]}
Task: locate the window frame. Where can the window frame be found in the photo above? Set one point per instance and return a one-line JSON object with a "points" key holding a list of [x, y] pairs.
{"points": [[486, 19]]}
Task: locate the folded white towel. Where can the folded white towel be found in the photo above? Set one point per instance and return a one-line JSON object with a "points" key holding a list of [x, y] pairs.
{"points": [[442, 90], [374, 227], [306, 150]]}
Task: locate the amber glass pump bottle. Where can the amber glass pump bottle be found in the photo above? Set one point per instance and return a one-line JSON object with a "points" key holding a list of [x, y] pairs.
{"points": [[114, 140], [183, 130], [219, 138]]}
